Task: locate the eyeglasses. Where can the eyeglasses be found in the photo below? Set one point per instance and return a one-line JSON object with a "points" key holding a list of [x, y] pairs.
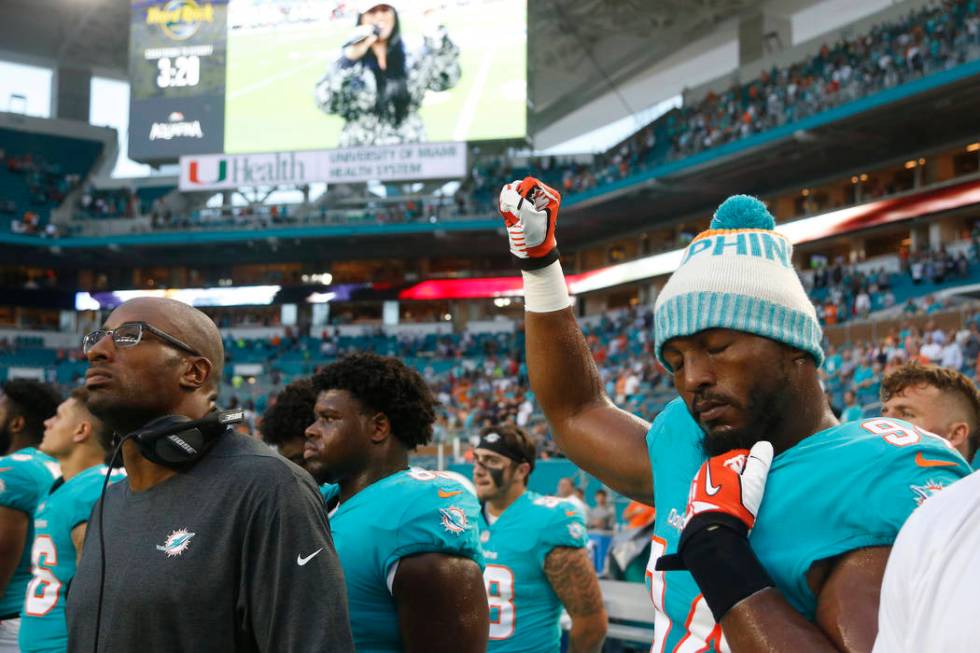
{"points": [[129, 334]]}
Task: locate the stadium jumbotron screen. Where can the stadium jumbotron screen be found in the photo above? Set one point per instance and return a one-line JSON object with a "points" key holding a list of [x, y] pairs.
{"points": [[243, 76]]}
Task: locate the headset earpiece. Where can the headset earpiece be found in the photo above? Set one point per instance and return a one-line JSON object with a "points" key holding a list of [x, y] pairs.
{"points": [[176, 440]]}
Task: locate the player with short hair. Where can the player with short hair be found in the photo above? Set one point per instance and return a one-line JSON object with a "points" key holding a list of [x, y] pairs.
{"points": [[536, 551], [285, 420], [407, 538], [77, 440], [800, 570], [936, 399], [26, 475]]}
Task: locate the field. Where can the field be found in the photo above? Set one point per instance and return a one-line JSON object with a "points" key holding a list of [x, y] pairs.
{"points": [[271, 76]]}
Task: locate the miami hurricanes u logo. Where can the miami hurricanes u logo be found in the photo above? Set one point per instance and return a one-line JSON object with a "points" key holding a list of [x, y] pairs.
{"points": [[195, 173]]}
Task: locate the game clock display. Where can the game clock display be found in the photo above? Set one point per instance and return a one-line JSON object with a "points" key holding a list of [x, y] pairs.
{"points": [[252, 76], [177, 76]]}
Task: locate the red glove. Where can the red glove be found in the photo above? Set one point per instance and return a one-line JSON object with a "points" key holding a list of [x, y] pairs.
{"points": [[732, 483], [530, 211], [722, 506]]}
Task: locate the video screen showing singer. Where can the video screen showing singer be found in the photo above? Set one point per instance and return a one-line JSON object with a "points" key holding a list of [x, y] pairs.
{"points": [[378, 82]]}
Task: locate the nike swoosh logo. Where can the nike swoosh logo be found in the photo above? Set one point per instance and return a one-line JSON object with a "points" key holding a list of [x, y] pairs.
{"points": [[5, 469], [444, 494], [710, 488], [922, 461], [300, 560], [570, 513]]}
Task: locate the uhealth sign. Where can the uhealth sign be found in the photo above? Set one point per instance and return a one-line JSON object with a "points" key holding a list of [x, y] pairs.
{"points": [[390, 163]]}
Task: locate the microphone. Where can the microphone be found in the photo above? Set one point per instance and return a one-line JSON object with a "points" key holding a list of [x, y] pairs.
{"points": [[360, 33]]}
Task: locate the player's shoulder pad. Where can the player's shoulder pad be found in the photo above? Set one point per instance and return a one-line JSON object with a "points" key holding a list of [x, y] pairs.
{"points": [[895, 440], [434, 513], [424, 491], [23, 466], [23, 481], [561, 522], [674, 421], [675, 409]]}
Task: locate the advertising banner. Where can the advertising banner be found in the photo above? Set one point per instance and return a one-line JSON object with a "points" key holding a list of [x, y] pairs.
{"points": [[391, 163]]}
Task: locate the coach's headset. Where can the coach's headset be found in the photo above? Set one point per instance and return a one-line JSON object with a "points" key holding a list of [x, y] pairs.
{"points": [[174, 441]]}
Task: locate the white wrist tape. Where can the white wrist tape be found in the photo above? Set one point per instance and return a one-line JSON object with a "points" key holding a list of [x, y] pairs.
{"points": [[545, 289]]}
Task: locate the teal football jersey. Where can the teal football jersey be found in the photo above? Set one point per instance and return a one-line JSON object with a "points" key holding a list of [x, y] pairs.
{"points": [[26, 477], [524, 610], [848, 487], [412, 512], [53, 558]]}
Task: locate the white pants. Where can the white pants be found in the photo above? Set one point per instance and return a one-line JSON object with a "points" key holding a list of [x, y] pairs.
{"points": [[9, 628]]}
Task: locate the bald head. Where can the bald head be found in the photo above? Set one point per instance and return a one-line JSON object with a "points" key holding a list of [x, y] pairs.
{"points": [[181, 321], [173, 369]]}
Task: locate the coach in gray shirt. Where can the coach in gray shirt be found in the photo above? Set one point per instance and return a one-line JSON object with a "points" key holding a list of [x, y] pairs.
{"points": [[230, 552]]}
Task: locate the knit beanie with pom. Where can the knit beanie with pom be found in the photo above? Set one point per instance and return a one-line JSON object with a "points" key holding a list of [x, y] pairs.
{"points": [[739, 275]]}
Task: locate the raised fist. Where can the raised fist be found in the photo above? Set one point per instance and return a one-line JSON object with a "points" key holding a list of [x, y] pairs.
{"points": [[530, 211]]}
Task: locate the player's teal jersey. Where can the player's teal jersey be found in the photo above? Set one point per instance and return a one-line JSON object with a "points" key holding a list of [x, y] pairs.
{"points": [[25, 478], [844, 488], [524, 610], [412, 512], [53, 558]]}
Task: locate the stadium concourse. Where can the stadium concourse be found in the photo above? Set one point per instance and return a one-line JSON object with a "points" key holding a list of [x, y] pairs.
{"points": [[390, 313]]}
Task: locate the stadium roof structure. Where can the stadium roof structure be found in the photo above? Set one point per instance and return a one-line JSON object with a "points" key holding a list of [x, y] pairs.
{"points": [[578, 49]]}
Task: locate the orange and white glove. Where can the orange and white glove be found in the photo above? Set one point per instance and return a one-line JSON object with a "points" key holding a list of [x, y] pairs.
{"points": [[721, 510], [731, 484], [530, 210]]}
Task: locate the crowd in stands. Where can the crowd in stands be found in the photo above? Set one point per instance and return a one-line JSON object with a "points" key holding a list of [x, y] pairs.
{"points": [[852, 374], [482, 380], [47, 185], [109, 203], [843, 291], [925, 41]]}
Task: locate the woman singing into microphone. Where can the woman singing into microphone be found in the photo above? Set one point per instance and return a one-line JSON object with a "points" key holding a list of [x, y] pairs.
{"points": [[378, 84]]}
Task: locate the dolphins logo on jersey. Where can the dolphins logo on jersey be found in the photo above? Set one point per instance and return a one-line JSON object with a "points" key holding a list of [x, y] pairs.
{"points": [[176, 543], [923, 492], [453, 519]]}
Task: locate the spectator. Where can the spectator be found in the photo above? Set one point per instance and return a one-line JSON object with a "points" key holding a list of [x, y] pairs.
{"points": [[567, 491], [852, 411], [933, 349], [602, 516], [952, 356]]}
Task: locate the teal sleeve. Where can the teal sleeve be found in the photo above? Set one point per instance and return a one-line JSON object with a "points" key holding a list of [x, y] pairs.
{"points": [[564, 526], [80, 508], [910, 477], [432, 524], [659, 432], [87, 496], [18, 487], [890, 489]]}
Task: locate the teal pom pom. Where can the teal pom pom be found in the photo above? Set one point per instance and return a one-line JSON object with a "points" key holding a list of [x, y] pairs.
{"points": [[743, 212]]}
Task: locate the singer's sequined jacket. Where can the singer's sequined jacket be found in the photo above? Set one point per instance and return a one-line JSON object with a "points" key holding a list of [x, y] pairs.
{"points": [[349, 90]]}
